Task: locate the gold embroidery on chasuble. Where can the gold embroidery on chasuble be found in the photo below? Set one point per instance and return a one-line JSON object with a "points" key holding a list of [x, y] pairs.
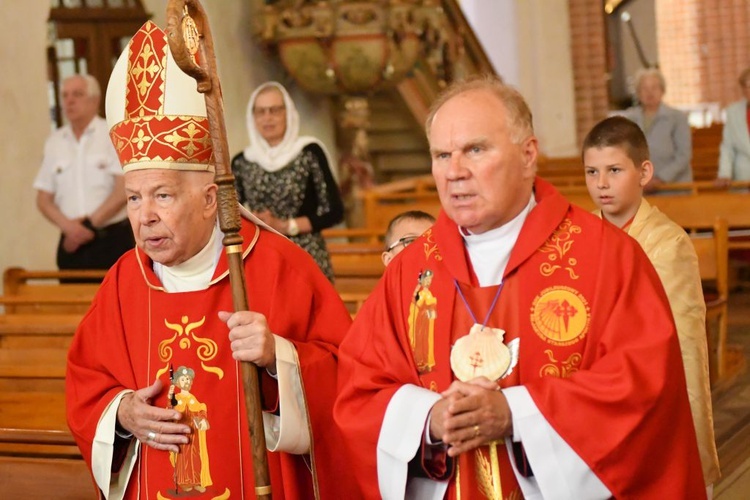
{"points": [[191, 464], [430, 247], [560, 315], [422, 315], [557, 247], [185, 337], [190, 467], [561, 369]]}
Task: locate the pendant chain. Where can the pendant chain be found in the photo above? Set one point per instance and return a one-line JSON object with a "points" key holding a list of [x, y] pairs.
{"points": [[468, 308]]}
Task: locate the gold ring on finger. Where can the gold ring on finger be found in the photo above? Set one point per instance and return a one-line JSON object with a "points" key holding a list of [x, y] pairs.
{"points": [[476, 431], [151, 436]]}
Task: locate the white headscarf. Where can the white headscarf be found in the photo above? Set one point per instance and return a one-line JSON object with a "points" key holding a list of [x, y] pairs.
{"points": [[273, 158]]}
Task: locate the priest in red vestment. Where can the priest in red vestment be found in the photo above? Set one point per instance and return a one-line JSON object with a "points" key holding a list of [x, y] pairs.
{"points": [[557, 371], [145, 430]]}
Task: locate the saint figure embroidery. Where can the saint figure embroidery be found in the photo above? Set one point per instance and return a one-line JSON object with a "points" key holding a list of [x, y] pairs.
{"points": [[422, 314], [191, 470]]}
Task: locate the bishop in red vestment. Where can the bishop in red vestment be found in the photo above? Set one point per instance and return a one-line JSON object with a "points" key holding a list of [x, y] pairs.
{"points": [[146, 430]]}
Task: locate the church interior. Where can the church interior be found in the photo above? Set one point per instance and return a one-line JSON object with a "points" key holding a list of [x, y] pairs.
{"points": [[363, 75]]}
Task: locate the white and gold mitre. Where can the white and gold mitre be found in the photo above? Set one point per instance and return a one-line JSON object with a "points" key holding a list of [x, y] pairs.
{"points": [[157, 118]]}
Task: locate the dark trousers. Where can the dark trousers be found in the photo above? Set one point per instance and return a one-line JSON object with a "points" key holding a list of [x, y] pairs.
{"points": [[102, 252]]}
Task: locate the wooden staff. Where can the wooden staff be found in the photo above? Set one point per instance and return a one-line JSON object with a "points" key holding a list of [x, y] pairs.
{"points": [[189, 37]]}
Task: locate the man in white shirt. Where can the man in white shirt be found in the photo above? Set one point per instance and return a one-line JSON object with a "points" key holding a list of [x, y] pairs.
{"points": [[80, 187]]}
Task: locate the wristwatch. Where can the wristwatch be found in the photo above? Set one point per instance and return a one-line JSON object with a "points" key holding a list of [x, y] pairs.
{"points": [[292, 229]]}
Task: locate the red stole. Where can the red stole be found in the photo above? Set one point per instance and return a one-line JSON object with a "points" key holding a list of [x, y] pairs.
{"points": [[486, 471]]}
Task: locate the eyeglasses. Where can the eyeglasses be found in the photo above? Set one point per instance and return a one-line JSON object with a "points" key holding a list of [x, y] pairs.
{"points": [[270, 110], [406, 241]]}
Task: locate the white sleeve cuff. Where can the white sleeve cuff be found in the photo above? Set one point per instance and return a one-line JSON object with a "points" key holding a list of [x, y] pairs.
{"points": [[400, 439], [558, 470], [290, 430], [102, 451]]}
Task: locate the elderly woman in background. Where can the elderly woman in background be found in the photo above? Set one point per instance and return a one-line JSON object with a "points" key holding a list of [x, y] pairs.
{"points": [[667, 130], [734, 158], [286, 179]]}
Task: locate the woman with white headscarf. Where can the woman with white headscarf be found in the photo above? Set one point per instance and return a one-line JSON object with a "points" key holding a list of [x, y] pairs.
{"points": [[286, 179]]}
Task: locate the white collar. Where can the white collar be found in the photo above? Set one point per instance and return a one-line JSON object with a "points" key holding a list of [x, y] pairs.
{"points": [[196, 272], [489, 251]]}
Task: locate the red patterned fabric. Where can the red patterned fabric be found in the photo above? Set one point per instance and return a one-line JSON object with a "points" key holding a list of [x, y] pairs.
{"points": [[148, 137]]}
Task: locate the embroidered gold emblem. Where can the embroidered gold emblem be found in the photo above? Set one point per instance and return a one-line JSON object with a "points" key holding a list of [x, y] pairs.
{"points": [[430, 247], [422, 314], [184, 335], [556, 248], [560, 315], [557, 369], [488, 473]]}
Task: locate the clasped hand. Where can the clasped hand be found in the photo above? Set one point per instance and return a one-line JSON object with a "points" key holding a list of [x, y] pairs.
{"points": [[470, 414], [75, 235]]}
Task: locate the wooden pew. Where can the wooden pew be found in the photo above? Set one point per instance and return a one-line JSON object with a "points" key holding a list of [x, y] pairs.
{"points": [[41, 291], [37, 330], [381, 208], [357, 268], [354, 301], [39, 478], [712, 247], [38, 456], [32, 369]]}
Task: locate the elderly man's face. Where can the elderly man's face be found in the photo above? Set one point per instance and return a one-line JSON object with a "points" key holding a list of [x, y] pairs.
{"points": [[78, 106], [484, 180], [172, 213]]}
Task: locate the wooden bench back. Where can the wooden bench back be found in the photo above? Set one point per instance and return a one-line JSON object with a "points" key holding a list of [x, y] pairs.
{"points": [[380, 209], [712, 248], [41, 291], [357, 268]]}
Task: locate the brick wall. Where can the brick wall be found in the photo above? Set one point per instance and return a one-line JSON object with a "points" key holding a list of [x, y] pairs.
{"points": [[588, 48], [703, 46]]}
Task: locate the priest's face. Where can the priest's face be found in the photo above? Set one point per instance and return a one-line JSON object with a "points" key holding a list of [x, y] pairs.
{"points": [[483, 176], [172, 213]]}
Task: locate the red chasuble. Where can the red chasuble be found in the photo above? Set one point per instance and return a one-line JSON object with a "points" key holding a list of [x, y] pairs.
{"points": [[597, 350], [135, 331]]}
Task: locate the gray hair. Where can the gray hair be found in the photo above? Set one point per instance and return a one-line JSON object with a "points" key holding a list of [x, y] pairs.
{"points": [[92, 85], [646, 72], [519, 117]]}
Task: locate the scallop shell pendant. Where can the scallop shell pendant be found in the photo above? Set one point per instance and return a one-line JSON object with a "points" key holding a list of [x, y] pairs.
{"points": [[481, 353]]}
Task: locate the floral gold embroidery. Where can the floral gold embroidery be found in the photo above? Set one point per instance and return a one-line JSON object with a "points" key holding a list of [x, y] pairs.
{"points": [[556, 248], [430, 247], [562, 370], [206, 349]]}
